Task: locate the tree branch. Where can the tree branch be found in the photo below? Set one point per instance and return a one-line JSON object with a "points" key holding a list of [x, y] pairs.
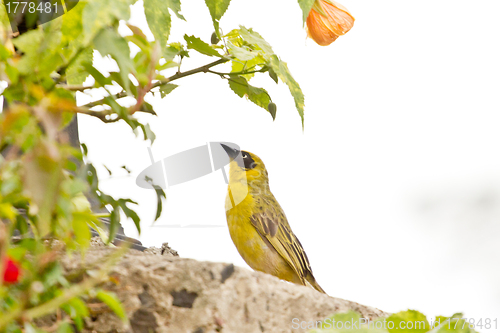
{"points": [[174, 77], [102, 115], [239, 73]]}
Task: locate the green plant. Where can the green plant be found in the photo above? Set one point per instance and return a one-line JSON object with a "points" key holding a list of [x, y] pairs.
{"points": [[43, 178]]}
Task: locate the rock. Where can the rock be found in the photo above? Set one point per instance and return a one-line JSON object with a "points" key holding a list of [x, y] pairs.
{"points": [[171, 294], [165, 250]]}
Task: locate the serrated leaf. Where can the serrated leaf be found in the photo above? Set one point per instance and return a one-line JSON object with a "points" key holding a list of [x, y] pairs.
{"points": [[197, 44], [217, 8], [113, 303], [175, 6], [306, 6], [159, 20], [281, 69], [240, 86], [109, 42], [255, 38]]}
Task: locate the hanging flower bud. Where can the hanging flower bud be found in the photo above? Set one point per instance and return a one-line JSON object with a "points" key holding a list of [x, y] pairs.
{"points": [[327, 21]]}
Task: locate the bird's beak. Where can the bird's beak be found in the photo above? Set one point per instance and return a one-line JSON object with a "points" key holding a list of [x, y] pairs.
{"points": [[231, 152]]}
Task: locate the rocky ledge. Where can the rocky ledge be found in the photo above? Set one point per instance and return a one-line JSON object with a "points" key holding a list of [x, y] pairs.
{"points": [[164, 293]]}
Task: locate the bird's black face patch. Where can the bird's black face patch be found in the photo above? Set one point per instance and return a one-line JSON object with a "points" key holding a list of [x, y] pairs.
{"points": [[246, 161]]}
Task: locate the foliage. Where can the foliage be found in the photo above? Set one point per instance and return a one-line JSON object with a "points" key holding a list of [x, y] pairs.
{"points": [[409, 321], [44, 180]]}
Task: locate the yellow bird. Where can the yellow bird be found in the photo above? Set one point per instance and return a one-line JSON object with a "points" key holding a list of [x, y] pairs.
{"points": [[258, 225]]}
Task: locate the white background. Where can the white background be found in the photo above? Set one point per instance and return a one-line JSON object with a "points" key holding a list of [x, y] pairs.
{"points": [[393, 187]]}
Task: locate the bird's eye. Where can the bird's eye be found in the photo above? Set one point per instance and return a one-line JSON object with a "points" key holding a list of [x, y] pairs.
{"points": [[245, 155]]}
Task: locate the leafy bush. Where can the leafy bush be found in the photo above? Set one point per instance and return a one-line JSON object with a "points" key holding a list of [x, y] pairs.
{"points": [[43, 179]]}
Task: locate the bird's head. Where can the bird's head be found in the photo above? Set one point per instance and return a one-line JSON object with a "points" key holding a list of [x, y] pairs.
{"points": [[245, 166]]}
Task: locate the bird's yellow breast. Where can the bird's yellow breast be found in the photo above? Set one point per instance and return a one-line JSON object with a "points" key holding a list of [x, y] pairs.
{"points": [[245, 237], [257, 253]]}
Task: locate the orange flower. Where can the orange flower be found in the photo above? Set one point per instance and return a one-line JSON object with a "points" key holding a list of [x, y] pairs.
{"points": [[327, 21]]}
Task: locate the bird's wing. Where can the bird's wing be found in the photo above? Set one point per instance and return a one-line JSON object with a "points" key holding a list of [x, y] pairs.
{"points": [[273, 226]]}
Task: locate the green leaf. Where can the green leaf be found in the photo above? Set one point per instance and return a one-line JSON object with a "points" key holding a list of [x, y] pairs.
{"points": [[148, 108], [159, 20], [217, 8], [114, 223], [242, 53], [76, 73], [149, 134], [98, 77], [109, 42], [42, 51], [102, 13], [250, 65], [117, 77], [81, 230], [29, 42], [410, 321], [306, 6], [130, 213], [77, 310], [173, 50], [240, 86], [72, 25], [281, 69], [175, 6], [197, 44], [160, 195], [167, 89], [113, 303], [255, 38]]}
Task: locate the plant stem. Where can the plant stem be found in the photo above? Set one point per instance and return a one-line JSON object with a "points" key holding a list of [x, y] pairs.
{"points": [[174, 77]]}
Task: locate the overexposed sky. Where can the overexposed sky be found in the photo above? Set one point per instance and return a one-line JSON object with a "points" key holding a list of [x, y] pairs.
{"points": [[393, 187]]}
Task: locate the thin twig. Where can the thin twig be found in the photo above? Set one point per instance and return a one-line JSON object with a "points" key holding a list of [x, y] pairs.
{"points": [[174, 77], [238, 73]]}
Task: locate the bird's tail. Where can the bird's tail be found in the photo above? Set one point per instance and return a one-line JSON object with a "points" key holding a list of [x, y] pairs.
{"points": [[312, 282]]}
